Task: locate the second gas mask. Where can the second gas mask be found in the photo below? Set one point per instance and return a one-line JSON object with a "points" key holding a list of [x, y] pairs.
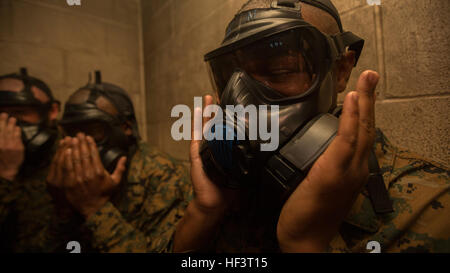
{"points": [[105, 128]]}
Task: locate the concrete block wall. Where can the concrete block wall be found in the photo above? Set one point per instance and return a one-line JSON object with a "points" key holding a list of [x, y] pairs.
{"points": [[61, 44], [406, 41], [177, 33]]}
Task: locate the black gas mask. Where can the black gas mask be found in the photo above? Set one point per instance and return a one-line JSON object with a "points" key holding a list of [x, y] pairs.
{"points": [[38, 138], [105, 128], [274, 57]]}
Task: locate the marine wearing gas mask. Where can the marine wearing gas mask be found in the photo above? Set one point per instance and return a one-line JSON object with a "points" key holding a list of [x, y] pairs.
{"points": [[38, 138], [274, 57], [107, 129], [128, 194]]}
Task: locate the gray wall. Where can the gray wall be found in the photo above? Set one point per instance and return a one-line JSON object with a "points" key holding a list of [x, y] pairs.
{"points": [[406, 41], [177, 33], [61, 44]]}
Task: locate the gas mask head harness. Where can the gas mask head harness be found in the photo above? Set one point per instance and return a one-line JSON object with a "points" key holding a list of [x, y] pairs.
{"points": [[38, 138], [272, 56], [106, 129]]}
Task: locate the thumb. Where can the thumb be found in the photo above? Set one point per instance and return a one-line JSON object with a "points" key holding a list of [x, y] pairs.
{"points": [[120, 169]]}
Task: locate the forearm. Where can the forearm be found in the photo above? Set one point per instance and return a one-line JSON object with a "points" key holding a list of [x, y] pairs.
{"points": [[197, 229]]}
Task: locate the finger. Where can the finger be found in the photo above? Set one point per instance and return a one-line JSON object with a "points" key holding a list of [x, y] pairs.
{"points": [[196, 130], [59, 166], [69, 168], [96, 160], [195, 144], [208, 99], [3, 120], [78, 169], [10, 127], [343, 147], [52, 170], [119, 171], [196, 162], [366, 92], [17, 134], [85, 154]]}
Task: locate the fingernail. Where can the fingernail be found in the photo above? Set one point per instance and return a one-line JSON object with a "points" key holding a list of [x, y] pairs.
{"points": [[355, 96]]}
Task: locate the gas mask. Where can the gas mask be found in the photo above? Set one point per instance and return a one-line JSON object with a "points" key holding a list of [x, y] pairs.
{"points": [[274, 57], [106, 129], [39, 138]]}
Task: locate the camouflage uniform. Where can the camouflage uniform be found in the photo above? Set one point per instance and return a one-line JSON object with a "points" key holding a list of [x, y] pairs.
{"points": [[7, 197], [141, 217], [418, 188]]}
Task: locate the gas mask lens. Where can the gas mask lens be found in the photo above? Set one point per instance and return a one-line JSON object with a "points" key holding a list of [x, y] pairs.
{"points": [[95, 129], [283, 62]]}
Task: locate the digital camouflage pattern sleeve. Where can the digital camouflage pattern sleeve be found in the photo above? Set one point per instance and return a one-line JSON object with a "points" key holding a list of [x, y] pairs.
{"points": [[144, 217], [419, 190]]}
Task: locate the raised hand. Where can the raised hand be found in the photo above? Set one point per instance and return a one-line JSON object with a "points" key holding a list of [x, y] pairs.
{"points": [[313, 213], [77, 170], [12, 150]]}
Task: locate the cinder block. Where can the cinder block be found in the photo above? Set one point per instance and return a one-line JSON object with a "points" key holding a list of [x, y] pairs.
{"points": [[177, 149], [36, 24], [113, 71], [6, 11], [153, 6], [420, 125], [157, 103], [51, 27], [83, 34], [100, 8], [361, 21], [44, 63], [126, 11], [122, 42], [416, 47], [189, 14], [117, 11], [157, 28]]}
